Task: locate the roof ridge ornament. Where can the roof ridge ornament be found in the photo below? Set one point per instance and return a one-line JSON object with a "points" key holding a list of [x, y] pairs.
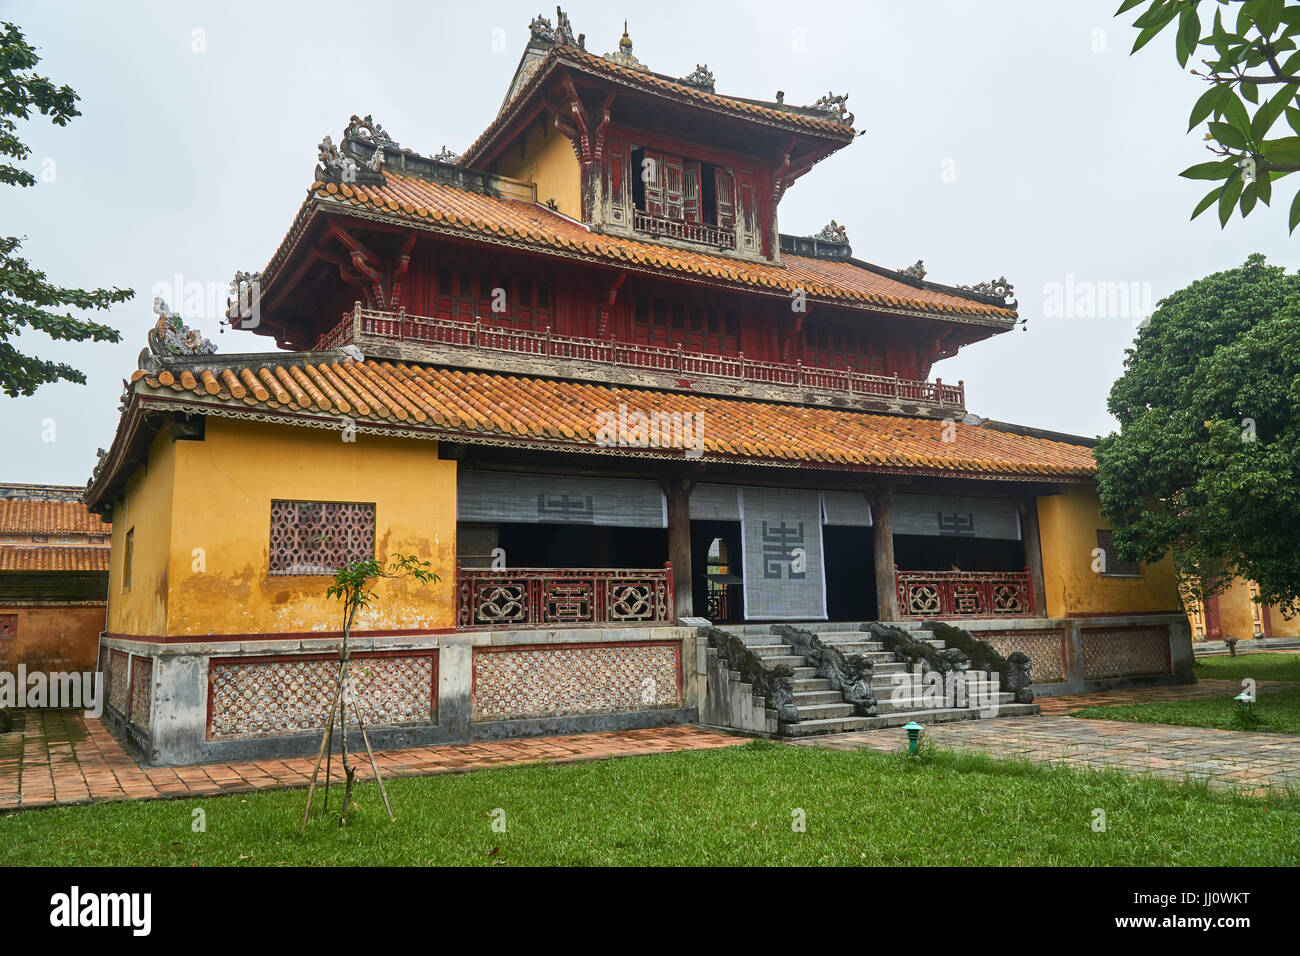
{"points": [[344, 164], [832, 232], [836, 106], [366, 130], [999, 287], [624, 55], [171, 336], [916, 271], [561, 34], [701, 78], [445, 155]]}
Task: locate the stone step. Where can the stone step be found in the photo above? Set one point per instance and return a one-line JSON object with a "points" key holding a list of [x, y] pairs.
{"points": [[887, 705], [824, 711], [803, 698], [807, 684], [835, 725]]}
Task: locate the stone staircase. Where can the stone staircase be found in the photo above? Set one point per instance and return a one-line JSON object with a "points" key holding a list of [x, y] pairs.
{"points": [[822, 709]]}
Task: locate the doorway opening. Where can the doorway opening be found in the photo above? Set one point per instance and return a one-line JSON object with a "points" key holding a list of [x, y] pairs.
{"points": [[850, 573]]}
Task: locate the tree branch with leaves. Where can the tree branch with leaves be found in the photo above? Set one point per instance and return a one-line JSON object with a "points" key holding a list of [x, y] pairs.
{"points": [[27, 299], [1251, 68]]}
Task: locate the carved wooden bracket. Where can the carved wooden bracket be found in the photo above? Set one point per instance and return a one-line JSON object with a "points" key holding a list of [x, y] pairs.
{"points": [[588, 143], [380, 282], [363, 260]]}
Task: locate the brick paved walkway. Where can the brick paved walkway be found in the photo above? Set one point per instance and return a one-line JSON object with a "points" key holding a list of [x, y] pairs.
{"points": [[59, 757], [1230, 760], [1204, 687]]}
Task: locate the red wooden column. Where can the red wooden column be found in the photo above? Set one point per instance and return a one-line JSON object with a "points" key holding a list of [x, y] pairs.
{"points": [[678, 490], [882, 537]]}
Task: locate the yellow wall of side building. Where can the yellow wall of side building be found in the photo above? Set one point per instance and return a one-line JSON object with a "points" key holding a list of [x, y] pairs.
{"points": [[546, 159], [1068, 525], [140, 608], [1236, 615], [217, 566]]}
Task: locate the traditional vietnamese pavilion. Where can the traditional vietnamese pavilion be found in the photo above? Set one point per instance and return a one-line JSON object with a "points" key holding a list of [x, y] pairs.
{"points": [[580, 369]]}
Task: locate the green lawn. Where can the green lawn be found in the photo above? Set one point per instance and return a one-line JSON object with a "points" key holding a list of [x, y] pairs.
{"points": [[1276, 713], [1264, 666], [728, 806]]}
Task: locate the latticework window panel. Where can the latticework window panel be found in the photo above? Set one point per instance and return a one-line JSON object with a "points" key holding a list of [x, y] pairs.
{"points": [[320, 537]]}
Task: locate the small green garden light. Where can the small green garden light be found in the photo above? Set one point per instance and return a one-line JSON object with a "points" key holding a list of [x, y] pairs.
{"points": [[913, 736], [1245, 699]]}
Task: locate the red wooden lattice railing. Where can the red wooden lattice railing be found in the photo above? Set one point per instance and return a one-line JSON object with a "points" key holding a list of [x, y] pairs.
{"points": [[418, 330], [545, 597], [925, 594], [700, 232]]}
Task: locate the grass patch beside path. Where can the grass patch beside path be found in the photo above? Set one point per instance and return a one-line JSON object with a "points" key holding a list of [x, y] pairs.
{"points": [[727, 806], [1263, 666], [1275, 712]]}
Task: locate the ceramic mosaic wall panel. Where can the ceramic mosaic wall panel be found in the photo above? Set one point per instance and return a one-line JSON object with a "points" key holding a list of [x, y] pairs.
{"points": [[268, 698], [141, 691], [518, 682], [1125, 652], [119, 669], [1046, 650]]}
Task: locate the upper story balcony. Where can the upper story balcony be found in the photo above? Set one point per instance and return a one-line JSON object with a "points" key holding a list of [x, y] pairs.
{"points": [[478, 344], [660, 227]]}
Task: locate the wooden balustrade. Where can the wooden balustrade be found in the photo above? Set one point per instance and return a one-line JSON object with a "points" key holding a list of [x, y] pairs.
{"points": [[563, 597], [938, 594], [421, 330]]}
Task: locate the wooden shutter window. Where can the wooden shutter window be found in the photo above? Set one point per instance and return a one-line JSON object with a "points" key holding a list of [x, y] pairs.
{"points": [[725, 185]]}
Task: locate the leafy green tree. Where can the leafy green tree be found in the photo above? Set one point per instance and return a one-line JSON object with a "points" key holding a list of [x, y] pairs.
{"points": [[27, 299], [1251, 68], [1207, 460]]}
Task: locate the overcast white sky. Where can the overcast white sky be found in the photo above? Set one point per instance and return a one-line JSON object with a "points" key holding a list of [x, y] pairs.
{"points": [[1010, 137]]}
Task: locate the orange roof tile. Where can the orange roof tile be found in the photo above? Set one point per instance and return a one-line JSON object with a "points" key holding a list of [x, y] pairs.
{"points": [[18, 516], [54, 559], [444, 207], [509, 410], [574, 56]]}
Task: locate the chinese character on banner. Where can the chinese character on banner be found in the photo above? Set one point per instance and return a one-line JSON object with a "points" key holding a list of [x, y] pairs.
{"points": [[957, 524], [565, 508], [779, 545]]}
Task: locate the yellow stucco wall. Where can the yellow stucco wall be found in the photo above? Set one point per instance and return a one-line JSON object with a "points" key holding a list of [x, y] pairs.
{"points": [[217, 563], [1236, 620], [146, 508], [1068, 525], [546, 159]]}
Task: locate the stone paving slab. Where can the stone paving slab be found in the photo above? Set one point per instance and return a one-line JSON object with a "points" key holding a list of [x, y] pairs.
{"points": [[1250, 763], [60, 757], [1204, 687]]}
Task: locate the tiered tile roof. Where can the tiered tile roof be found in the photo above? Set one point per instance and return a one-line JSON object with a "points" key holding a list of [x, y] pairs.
{"points": [[446, 208], [533, 412]]}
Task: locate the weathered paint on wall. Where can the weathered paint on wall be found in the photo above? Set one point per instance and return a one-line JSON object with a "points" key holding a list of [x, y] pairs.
{"points": [[1068, 524], [140, 608], [225, 485], [211, 566], [53, 637], [548, 161]]}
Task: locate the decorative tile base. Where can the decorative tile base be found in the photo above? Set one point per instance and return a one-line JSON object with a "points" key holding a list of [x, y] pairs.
{"points": [[512, 683], [141, 690], [1046, 650], [261, 697], [1125, 652], [119, 671]]}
